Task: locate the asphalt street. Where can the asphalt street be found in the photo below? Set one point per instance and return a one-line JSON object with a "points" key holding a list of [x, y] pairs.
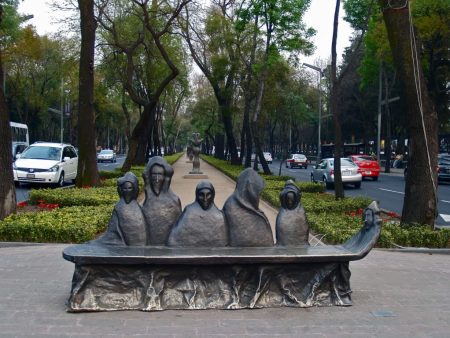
{"points": [[388, 190]]}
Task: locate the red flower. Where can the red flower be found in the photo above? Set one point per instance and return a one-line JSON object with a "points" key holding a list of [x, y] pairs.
{"points": [[22, 204]]}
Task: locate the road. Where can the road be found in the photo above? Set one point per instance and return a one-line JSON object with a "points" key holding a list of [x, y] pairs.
{"points": [[24, 188], [388, 190]]}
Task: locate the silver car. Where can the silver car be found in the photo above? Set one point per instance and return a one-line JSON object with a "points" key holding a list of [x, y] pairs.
{"points": [[324, 172]]}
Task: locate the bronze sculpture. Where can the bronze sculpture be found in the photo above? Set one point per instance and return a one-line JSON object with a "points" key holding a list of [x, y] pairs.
{"points": [[127, 225], [197, 270], [248, 225], [201, 224], [196, 147], [161, 206], [292, 225]]}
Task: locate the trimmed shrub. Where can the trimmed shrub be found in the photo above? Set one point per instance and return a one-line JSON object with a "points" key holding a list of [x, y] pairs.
{"points": [[75, 196], [65, 225]]}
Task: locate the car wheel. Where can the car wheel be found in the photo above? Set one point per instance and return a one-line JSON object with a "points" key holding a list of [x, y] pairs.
{"points": [[61, 180], [375, 178], [327, 184], [358, 185]]}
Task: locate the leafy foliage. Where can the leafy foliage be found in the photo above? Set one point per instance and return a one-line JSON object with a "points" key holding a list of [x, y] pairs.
{"points": [[65, 225]]}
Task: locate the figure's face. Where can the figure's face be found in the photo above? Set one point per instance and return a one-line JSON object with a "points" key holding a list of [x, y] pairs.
{"points": [[290, 200], [128, 192], [368, 216], [205, 198], [157, 178]]}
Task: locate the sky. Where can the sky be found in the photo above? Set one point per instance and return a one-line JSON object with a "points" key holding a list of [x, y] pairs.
{"points": [[320, 17]]}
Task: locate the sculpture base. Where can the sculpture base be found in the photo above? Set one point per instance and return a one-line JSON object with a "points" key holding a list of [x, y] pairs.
{"points": [[196, 176], [162, 287]]}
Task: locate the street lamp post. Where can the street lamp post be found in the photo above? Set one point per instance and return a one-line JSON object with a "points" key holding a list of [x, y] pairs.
{"points": [[319, 78]]}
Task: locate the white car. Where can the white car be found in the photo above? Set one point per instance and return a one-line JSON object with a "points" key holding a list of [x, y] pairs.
{"points": [[106, 155], [268, 157], [45, 162]]}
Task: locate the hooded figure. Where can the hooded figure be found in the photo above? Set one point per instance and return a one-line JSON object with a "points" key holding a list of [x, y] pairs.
{"points": [[127, 224], [201, 224], [248, 225], [292, 225], [161, 206]]}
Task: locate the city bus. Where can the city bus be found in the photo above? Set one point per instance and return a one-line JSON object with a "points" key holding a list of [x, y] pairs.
{"points": [[20, 138]]}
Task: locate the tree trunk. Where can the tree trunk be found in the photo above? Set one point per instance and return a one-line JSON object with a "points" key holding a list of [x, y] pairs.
{"points": [[87, 160], [420, 202], [7, 190], [139, 139], [338, 186]]}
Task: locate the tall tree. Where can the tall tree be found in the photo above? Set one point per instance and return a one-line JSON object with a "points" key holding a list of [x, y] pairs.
{"points": [[140, 34], [7, 190], [420, 203], [87, 162], [211, 41], [279, 25]]}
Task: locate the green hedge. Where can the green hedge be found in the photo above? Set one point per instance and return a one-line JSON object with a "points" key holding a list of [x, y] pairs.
{"points": [[65, 225], [337, 228], [75, 196]]}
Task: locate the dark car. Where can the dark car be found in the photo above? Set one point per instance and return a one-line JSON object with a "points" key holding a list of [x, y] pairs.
{"points": [[443, 168]]}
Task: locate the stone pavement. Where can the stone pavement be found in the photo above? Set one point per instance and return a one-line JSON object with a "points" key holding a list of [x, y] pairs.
{"points": [[395, 294]]}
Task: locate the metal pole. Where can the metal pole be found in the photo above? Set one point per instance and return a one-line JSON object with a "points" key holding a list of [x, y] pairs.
{"points": [[62, 111], [320, 118], [380, 78]]}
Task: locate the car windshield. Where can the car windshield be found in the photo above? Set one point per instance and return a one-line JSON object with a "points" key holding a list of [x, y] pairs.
{"points": [[106, 152], [42, 153], [345, 162]]}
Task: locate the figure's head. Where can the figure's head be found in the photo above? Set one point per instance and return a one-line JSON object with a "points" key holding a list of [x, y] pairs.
{"points": [[249, 186], [128, 187], [204, 194], [157, 174], [290, 195], [371, 215]]}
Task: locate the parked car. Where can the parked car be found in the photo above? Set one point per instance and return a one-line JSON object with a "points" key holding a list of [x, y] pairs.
{"points": [[297, 160], [443, 168], [367, 165], [45, 162], [268, 157], [106, 155], [324, 172]]}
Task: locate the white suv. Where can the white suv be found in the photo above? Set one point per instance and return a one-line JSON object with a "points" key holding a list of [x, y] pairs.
{"points": [[45, 162]]}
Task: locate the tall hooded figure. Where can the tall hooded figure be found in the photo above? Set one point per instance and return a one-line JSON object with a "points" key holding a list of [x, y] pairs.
{"points": [[127, 225], [161, 206], [292, 225], [201, 224], [248, 225]]}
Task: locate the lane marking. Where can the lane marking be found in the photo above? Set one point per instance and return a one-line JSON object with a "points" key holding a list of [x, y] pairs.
{"points": [[445, 217], [445, 201], [396, 192]]}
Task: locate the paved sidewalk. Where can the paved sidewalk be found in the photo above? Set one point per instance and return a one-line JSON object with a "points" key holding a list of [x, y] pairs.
{"points": [[395, 294]]}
